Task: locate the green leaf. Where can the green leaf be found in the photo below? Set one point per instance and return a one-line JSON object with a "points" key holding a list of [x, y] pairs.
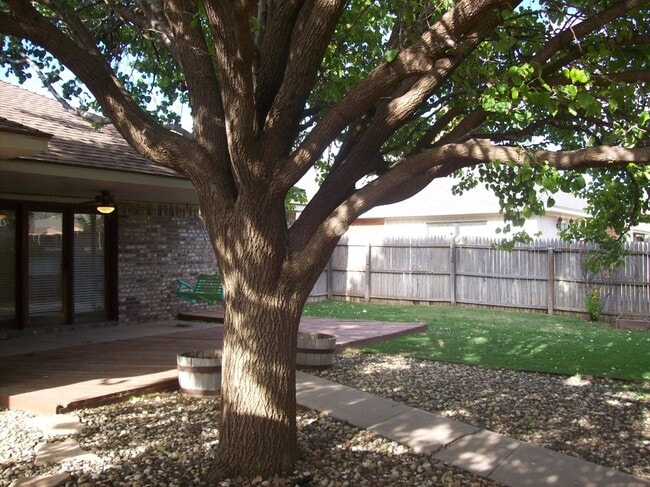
{"points": [[488, 103], [571, 90], [587, 102], [578, 76], [503, 106], [578, 183], [550, 183], [391, 54]]}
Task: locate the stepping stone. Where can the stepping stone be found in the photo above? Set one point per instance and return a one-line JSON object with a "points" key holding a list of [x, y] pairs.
{"points": [[326, 396], [57, 424], [345, 403], [480, 453], [423, 431], [62, 451], [369, 410], [534, 466], [42, 480]]}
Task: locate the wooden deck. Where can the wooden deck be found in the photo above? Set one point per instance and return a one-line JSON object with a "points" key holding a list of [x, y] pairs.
{"points": [[58, 378]]}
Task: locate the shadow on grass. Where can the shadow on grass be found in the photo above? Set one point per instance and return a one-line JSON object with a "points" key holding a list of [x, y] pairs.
{"points": [[595, 350], [508, 339]]}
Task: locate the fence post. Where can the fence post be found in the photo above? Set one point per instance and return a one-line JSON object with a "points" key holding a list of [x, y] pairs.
{"points": [[452, 271], [368, 272], [329, 279], [550, 283]]}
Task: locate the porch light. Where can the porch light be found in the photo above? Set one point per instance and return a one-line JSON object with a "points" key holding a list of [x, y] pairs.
{"points": [[558, 224], [105, 202]]}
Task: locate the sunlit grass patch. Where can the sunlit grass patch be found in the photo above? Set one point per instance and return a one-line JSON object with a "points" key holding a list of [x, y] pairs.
{"points": [[506, 339]]}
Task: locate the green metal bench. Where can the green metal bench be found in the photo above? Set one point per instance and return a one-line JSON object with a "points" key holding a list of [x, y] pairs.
{"points": [[208, 288]]}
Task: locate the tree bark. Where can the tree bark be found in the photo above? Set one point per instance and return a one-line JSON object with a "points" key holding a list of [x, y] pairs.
{"points": [[263, 306], [258, 411]]}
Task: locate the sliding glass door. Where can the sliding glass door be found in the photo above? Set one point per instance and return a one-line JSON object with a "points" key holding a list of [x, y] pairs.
{"points": [[55, 266], [45, 268], [89, 267], [7, 267]]}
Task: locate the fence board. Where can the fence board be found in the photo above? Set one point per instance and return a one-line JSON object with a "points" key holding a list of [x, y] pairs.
{"points": [[545, 275]]}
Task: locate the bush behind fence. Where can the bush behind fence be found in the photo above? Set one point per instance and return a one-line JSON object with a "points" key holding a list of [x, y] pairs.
{"points": [[547, 275]]}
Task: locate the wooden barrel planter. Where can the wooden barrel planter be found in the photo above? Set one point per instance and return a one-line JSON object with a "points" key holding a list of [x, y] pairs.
{"points": [[199, 373], [315, 351]]}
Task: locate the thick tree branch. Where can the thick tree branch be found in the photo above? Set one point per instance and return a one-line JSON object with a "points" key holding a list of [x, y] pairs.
{"points": [[311, 35], [235, 52], [209, 125], [437, 43], [415, 172], [202, 83], [278, 27], [575, 160]]}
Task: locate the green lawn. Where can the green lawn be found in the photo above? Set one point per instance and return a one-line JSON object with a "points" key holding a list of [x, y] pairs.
{"points": [[506, 339]]}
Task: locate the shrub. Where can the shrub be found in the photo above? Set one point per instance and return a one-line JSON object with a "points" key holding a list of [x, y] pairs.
{"points": [[594, 303]]}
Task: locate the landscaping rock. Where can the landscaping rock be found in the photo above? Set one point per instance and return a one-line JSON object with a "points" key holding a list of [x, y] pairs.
{"points": [[171, 440]]}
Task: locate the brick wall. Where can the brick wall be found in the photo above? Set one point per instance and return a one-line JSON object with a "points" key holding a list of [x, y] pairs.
{"points": [[158, 244]]}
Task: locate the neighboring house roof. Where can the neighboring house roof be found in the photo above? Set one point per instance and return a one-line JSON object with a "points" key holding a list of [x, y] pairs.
{"points": [[437, 200], [74, 141]]}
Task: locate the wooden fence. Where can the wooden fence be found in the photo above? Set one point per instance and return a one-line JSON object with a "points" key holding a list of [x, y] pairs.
{"points": [[547, 275]]}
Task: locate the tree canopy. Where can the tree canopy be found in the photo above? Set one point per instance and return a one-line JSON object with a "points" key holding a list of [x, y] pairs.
{"points": [[403, 79], [529, 98]]}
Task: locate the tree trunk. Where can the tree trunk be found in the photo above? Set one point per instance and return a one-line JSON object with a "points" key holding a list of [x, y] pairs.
{"points": [[263, 306], [258, 408]]}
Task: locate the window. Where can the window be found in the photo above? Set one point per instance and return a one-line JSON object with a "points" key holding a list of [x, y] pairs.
{"points": [[453, 228]]}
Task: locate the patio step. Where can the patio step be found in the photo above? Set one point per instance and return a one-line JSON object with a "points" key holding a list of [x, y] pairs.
{"points": [[91, 393]]}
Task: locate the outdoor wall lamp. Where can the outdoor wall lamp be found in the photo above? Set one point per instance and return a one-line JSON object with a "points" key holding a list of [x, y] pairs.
{"points": [[105, 202], [558, 224]]}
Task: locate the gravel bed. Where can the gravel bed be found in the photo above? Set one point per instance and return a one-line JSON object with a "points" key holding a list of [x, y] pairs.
{"points": [[599, 420], [169, 440]]}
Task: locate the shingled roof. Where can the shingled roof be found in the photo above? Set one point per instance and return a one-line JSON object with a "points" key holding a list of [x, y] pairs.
{"points": [[74, 141], [18, 128]]}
